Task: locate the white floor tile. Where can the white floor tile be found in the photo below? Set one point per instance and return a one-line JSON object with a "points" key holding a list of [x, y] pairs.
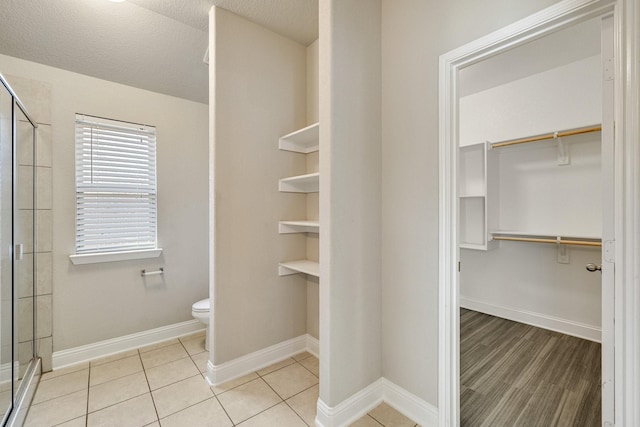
{"points": [[291, 380], [57, 411], [247, 400], [116, 391], [136, 412], [181, 395], [204, 414], [62, 385], [278, 416]]}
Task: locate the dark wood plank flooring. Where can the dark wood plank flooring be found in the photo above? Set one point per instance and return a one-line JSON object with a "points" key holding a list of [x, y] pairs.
{"points": [[512, 374]]}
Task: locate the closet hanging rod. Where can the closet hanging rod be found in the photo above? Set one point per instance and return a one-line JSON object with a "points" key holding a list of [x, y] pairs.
{"points": [[540, 240], [570, 132]]}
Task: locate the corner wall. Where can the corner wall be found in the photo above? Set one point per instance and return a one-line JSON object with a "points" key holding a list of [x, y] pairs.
{"points": [[350, 199], [257, 94]]}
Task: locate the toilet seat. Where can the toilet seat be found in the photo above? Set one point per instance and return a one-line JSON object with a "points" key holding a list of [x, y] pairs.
{"points": [[201, 311], [201, 306]]}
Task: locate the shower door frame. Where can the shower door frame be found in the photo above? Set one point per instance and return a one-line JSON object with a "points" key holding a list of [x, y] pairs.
{"points": [[23, 394]]}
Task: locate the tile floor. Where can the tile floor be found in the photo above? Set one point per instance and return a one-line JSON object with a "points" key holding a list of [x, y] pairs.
{"points": [[163, 385]]}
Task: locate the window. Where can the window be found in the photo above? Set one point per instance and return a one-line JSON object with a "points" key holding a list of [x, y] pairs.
{"points": [[115, 187]]}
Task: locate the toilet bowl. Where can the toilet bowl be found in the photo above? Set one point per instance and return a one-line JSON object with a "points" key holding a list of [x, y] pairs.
{"points": [[200, 310]]}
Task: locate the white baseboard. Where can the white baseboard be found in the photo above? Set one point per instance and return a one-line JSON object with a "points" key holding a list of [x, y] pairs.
{"points": [[410, 405], [218, 374], [351, 409], [382, 390], [100, 349], [557, 324], [313, 346]]}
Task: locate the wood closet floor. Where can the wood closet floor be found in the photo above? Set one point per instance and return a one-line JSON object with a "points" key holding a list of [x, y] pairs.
{"points": [[512, 374]]}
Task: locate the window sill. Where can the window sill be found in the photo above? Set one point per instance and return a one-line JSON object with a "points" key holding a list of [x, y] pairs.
{"points": [[114, 256]]}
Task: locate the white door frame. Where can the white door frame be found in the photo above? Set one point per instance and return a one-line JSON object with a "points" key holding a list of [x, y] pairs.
{"points": [[626, 204]]}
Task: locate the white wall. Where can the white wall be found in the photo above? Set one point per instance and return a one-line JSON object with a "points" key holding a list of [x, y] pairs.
{"points": [[350, 199], [257, 94], [96, 302], [414, 34], [564, 97]]}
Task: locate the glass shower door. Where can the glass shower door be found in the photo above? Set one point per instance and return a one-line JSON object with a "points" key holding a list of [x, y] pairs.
{"points": [[24, 247]]}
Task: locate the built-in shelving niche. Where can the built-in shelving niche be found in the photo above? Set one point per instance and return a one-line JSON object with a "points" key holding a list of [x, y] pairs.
{"points": [[302, 141]]}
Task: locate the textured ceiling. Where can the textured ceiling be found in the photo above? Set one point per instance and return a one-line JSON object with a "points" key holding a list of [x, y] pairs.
{"points": [[156, 45]]}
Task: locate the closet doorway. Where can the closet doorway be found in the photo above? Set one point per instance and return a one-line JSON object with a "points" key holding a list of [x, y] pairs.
{"points": [[530, 188], [531, 302]]}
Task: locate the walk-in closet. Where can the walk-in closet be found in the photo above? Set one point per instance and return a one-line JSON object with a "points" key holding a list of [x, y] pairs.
{"points": [[534, 175]]}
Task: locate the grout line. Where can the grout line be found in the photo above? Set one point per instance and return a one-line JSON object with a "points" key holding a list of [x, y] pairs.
{"points": [[174, 383], [276, 370], [57, 397], [269, 385], [86, 412], [155, 408], [312, 373], [255, 415], [302, 391], [180, 410], [223, 408], [296, 412], [368, 415]]}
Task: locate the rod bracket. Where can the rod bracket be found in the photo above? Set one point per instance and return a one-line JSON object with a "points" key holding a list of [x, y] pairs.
{"points": [[563, 151]]}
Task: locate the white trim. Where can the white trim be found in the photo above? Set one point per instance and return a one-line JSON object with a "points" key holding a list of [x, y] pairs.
{"points": [[550, 19], [74, 356], [565, 326], [627, 249], [114, 256], [371, 396], [410, 405], [219, 374], [313, 346], [351, 409]]}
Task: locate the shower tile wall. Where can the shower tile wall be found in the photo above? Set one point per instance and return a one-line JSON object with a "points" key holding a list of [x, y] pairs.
{"points": [[36, 96]]}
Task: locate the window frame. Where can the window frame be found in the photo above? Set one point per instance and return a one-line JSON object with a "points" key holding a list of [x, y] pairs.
{"points": [[86, 187]]}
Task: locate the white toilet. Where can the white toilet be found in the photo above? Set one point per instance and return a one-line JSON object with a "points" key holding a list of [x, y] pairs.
{"points": [[200, 310]]}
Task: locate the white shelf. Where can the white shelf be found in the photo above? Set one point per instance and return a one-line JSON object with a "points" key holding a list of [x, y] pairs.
{"points": [[473, 246], [309, 183], [286, 227], [469, 196], [311, 268], [301, 141]]}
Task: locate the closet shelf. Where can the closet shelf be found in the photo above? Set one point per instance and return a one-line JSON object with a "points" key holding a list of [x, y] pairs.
{"points": [[309, 183], [559, 134], [469, 196], [475, 246], [546, 238], [286, 227], [305, 266], [304, 141]]}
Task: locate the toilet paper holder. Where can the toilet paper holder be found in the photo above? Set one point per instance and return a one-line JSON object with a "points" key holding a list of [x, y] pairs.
{"points": [[145, 273]]}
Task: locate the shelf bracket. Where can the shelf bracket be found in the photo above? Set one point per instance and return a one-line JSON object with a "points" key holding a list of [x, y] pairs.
{"points": [[563, 151], [563, 253]]}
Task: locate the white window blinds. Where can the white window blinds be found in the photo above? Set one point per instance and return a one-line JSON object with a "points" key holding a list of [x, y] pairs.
{"points": [[115, 186]]}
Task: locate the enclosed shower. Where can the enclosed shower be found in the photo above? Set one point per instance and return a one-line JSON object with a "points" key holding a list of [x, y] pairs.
{"points": [[19, 366]]}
